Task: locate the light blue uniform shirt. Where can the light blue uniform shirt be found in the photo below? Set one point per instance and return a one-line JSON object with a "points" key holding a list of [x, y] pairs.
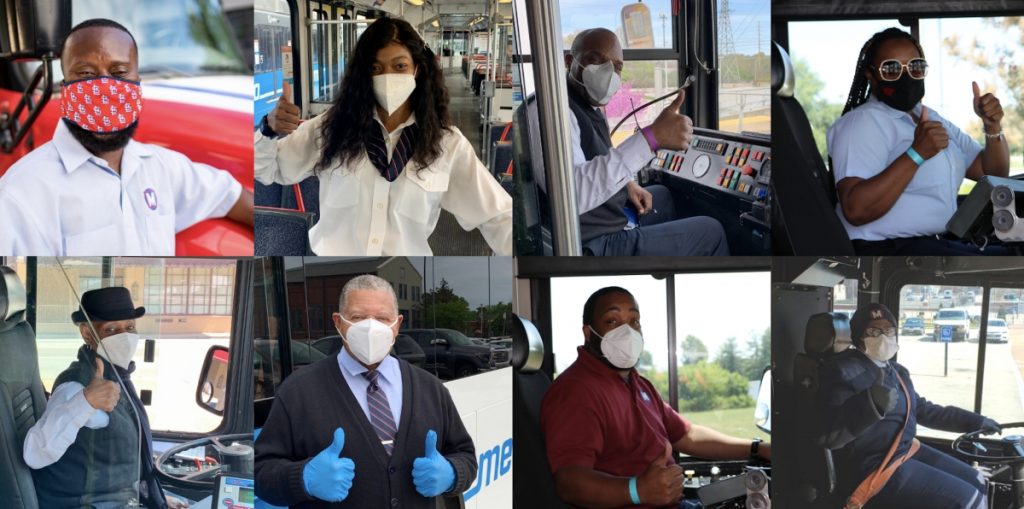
{"points": [[868, 139], [389, 380], [61, 200]]}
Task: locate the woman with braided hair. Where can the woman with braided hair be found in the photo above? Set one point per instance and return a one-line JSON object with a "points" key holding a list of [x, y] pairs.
{"points": [[897, 164]]}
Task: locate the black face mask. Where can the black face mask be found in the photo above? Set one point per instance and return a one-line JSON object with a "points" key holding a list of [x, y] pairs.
{"points": [[902, 94], [101, 143]]}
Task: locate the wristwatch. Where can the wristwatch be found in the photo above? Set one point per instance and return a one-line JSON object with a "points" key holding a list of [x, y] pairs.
{"points": [[754, 446], [265, 128]]}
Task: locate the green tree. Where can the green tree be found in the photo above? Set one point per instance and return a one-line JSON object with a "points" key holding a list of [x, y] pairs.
{"points": [[999, 62], [729, 357], [693, 350], [494, 320], [709, 386], [759, 348], [443, 309], [821, 114]]}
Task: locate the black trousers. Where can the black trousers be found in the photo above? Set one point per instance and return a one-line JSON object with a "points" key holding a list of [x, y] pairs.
{"points": [[932, 480]]}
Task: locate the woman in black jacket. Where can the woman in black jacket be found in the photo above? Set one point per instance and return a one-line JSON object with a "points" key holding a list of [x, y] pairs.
{"points": [[863, 407]]}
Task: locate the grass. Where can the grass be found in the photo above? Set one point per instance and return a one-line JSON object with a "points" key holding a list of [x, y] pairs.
{"points": [[738, 422]]}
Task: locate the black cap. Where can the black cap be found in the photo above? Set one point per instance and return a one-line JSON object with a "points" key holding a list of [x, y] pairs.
{"points": [[108, 305], [866, 315]]}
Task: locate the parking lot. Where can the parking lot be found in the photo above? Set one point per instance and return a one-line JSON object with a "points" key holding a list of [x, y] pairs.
{"points": [[953, 382]]}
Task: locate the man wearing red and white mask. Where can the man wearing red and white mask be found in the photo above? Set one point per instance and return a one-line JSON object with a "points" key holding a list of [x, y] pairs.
{"points": [[92, 190]]}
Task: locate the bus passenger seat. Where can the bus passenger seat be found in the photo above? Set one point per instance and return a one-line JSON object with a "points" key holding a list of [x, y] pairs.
{"points": [[22, 399], [824, 331], [533, 483], [804, 220]]}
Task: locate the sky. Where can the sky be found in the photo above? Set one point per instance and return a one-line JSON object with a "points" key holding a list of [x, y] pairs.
{"points": [[744, 16], [948, 85], [712, 307]]}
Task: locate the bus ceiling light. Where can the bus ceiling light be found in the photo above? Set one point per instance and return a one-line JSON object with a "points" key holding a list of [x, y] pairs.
{"points": [[417, 3]]}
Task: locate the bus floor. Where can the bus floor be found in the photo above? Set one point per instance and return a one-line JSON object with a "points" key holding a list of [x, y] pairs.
{"points": [[449, 238]]}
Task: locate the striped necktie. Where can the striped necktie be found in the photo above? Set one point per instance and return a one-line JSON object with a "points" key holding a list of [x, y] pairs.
{"points": [[380, 412], [377, 151]]}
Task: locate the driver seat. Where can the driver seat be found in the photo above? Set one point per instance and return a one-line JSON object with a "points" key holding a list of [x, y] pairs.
{"points": [[823, 332], [533, 482], [22, 399], [804, 220]]}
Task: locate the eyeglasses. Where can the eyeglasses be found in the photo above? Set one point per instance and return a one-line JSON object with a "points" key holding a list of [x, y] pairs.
{"points": [[892, 69], [874, 332]]}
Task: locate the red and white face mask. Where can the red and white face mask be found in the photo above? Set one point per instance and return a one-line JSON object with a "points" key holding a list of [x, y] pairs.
{"points": [[101, 105]]}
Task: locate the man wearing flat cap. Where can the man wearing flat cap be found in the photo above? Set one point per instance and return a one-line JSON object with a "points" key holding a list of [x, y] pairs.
{"points": [[85, 450], [869, 411]]}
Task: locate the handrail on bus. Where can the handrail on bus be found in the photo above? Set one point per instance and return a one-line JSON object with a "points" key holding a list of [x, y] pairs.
{"points": [[553, 110]]}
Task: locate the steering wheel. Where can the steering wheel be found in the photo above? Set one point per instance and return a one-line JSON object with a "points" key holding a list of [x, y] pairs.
{"points": [[202, 479], [1006, 450]]}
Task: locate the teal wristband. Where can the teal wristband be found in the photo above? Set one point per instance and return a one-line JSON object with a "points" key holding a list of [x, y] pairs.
{"points": [[633, 495], [914, 156]]}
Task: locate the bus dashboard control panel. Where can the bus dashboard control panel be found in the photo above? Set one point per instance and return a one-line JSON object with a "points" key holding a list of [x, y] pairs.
{"points": [[735, 167]]}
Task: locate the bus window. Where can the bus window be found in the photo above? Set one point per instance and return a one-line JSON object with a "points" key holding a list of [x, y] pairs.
{"points": [[744, 67], [1003, 396], [272, 44], [943, 358], [844, 297], [723, 349], [644, 25]]}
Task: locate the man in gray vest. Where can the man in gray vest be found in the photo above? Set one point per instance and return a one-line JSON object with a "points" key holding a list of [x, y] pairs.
{"points": [[86, 449], [606, 193]]}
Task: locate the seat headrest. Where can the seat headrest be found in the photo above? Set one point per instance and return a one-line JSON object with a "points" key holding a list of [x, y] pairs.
{"points": [[826, 333], [783, 80], [527, 345], [12, 295]]}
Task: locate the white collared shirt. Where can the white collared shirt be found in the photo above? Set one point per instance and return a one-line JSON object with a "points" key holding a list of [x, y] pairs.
{"points": [[61, 200], [865, 141], [361, 213], [598, 179]]}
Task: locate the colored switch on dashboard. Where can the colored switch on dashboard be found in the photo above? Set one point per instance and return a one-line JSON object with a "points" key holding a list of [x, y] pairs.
{"points": [[748, 170]]}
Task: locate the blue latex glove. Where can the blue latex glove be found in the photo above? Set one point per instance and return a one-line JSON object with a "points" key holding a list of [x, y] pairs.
{"points": [[327, 476], [432, 474]]}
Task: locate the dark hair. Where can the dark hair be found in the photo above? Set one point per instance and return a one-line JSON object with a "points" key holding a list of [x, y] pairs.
{"points": [[588, 308], [346, 127], [98, 22], [859, 87]]}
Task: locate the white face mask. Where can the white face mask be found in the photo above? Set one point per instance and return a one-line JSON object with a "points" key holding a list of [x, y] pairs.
{"points": [[119, 349], [392, 90], [621, 346], [601, 81], [369, 340], [881, 348]]}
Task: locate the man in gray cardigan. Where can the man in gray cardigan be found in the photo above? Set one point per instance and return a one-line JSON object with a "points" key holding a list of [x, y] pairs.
{"points": [[363, 429]]}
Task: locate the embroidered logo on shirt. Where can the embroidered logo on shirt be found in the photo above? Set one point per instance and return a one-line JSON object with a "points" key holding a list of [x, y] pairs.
{"points": [[150, 196], [644, 396]]}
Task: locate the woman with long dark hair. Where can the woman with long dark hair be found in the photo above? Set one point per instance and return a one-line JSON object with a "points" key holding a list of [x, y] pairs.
{"points": [[387, 154], [897, 164]]}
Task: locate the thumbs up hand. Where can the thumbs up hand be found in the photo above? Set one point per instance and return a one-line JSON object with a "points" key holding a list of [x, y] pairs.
{"points": [[328, 476], [673, 130], [988, 108], [284, 119], [661, 484], [102, 394], [432, 474]]}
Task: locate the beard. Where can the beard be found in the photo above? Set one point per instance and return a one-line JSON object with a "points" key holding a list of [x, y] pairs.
{"points": [[101, 143]]}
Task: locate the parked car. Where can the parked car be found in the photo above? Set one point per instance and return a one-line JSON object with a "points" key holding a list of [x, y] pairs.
{"points": [[450, 354], [405, 348], [956, 318], [913, 326], [997, 331]]}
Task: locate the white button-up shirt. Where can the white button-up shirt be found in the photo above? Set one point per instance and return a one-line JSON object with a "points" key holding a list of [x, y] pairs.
{"points": [[361, 213], [865, 141], [61, 200], [67, 411]]}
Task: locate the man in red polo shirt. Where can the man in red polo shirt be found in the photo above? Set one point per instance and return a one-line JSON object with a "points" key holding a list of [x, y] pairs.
{"points": [[609, 435]]}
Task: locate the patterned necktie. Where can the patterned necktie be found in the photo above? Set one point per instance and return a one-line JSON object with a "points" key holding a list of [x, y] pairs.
{"points": [[380, 412], [377, 151]]}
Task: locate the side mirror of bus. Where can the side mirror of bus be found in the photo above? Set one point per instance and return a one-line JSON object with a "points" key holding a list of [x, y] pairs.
{"points": [[37, 28], [763, 407], [211, 389]]}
